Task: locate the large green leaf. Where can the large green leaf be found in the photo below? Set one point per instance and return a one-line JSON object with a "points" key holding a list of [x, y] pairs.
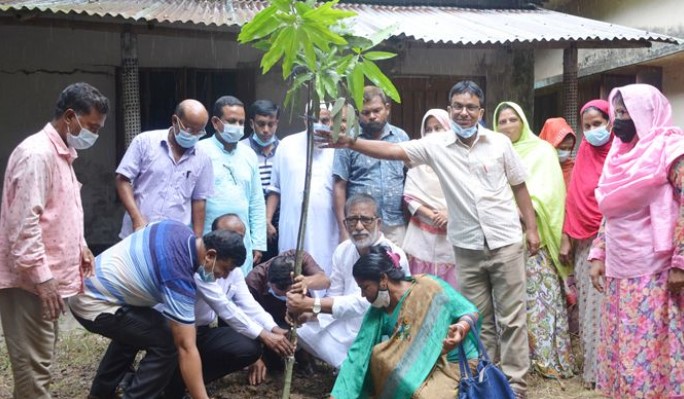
{"points": [[359, 42], [260, 26], [355, 83], [309, 53], [375, 75], [302, 8], [329, 85], [282, 5], [291, 51], [337, 107], [352, 122], [325, 33], [344, 63], [337, 119], [378, 55], [277, 49]]}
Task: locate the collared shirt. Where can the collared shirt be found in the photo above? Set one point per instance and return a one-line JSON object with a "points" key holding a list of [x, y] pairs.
{"points": [[237, 190], [287, 179], [41, 221], [154, 265], [162, 187], [265, 160], [230, 298], [383, 180], [477, 184]]}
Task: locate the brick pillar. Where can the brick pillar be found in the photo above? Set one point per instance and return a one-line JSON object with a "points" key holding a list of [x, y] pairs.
{"points": [[570, 86], [130, 92]]}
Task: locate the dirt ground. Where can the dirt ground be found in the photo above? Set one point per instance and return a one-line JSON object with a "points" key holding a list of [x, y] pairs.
{"points": [[79, 352]]}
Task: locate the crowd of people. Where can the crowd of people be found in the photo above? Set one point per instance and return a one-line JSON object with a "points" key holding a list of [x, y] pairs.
{"points": [[410, 245]]}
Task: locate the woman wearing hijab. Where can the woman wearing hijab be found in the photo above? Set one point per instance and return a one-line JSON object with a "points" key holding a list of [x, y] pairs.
{"points": [[547, 320], [426, 243], [582, 222], [560, 135], [638, 255]]}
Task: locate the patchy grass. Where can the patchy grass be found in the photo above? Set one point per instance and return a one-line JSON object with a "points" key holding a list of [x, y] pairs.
{"points": [[79, 353]]}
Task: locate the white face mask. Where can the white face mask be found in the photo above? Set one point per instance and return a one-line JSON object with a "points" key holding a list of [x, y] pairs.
{"points": [[563, 155], [382, 300], [83, 140]]}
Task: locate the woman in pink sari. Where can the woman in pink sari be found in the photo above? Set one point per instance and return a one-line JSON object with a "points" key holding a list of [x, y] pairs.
{"points": [[426, 243], [638, 255]]}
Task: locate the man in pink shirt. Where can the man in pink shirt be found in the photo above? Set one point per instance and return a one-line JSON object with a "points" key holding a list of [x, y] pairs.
{"points": [[43, 254]]}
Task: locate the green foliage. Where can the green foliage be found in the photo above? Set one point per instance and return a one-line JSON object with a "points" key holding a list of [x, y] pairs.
{"points": [[313, 41]]}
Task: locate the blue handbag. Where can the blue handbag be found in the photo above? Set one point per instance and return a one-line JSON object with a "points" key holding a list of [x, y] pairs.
{"points": [[489, 383]]}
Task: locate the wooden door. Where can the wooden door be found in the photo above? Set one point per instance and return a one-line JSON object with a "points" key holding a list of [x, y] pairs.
{"points": [[418, 95]]}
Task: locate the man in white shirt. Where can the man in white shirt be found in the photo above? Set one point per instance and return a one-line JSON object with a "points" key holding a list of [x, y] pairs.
{"points": [[483, 180], [335, 320], [287, 189]]}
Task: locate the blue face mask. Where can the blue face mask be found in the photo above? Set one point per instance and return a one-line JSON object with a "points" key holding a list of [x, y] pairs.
{"points": [[597, 137], [463, 132], [186, 140], [84, 139], [280, 297], [205, 275], [264, 143], [563, 155], [232, 133]]}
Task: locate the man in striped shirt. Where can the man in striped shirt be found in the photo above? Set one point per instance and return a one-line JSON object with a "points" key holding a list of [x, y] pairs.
{"points": [[263, 119], [154, 265]]}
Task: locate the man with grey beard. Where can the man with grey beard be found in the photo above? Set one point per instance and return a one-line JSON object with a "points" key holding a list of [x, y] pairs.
{"points": [[332, 322]]}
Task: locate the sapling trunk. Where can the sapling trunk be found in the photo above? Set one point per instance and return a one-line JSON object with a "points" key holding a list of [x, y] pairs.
{"points": [[290, 360]]}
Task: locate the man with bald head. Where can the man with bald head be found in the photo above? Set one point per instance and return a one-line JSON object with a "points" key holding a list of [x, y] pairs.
{"points": [[163, 176]]}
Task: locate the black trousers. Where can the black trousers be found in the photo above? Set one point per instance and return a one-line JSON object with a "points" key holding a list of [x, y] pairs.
{"points": [[223, 351], [132, 329]]}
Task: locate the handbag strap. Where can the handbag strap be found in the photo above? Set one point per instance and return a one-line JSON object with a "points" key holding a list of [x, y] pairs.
{"points": [[481, 349], [463, 365]]}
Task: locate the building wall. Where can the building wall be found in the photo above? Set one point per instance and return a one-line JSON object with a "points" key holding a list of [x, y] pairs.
{"points": [[44, 60], [508, 73], [655, 16]]}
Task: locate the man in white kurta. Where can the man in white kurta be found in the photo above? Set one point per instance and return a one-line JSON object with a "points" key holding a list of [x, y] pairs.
{"points": [[287, 187], [329, 335]]}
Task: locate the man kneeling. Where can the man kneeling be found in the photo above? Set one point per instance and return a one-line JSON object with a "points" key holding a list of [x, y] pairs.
{"points": [[154, 265]]}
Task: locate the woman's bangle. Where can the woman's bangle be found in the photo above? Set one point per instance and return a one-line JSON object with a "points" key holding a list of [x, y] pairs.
{"points": [[462, 328]]}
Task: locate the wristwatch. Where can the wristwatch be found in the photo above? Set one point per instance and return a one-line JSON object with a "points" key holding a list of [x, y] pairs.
{"points": [[317, 306]]}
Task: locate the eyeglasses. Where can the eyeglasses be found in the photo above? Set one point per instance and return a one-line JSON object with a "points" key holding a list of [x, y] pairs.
{"points": [[202, 132], [471, 108], [365, 221]]}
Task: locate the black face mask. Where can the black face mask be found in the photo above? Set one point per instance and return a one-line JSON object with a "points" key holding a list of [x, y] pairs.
{"points": [[624, 129]]}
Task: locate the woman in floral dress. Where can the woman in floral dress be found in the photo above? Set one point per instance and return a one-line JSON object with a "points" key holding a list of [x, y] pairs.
{"points": [[638, 256]]}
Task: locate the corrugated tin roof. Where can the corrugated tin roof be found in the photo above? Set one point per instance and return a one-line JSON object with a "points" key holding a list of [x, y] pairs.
{"points": [[449, 25]]}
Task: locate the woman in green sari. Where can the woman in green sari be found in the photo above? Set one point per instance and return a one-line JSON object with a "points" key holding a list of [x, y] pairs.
{"points": [[547, 319], [407, 345]]}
